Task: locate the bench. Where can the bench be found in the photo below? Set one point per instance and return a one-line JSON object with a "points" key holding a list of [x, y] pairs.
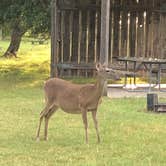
{"points": [[153, 103], [74, 66]]}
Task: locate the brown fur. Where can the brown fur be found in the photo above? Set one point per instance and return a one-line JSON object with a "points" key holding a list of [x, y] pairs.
{"points": [[74, 98]]}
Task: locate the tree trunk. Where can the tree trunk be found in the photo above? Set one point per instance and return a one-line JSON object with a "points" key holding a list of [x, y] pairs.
{"points": [[15, 41], [0, 33]]}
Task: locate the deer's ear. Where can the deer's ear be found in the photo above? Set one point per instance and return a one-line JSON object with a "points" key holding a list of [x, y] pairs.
{"points": [[98, 66]]}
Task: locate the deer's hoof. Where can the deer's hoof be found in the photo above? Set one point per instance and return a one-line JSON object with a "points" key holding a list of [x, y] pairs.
{"points": [[46, 138], [37, 139]]}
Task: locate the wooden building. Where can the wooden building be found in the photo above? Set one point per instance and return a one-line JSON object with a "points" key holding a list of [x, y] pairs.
{"points": [[89, 31]]}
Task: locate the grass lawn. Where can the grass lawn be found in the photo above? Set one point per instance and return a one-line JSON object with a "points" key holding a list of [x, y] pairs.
{"points": [[130, 135]]}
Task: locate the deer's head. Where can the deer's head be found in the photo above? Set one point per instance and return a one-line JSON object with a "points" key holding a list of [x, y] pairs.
{"points": [[104, 72]]}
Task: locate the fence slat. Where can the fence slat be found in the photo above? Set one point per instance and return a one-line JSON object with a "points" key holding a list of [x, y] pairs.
{"points": [[96, 34], [71, 34], [87, 36], [79, 36], [62, 36], [136, 29]]}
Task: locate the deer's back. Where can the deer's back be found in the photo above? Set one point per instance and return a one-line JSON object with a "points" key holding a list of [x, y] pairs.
{"points": [[63, 93]]}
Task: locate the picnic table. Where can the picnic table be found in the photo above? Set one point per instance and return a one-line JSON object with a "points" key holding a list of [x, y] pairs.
{"points": [[148, 63]]}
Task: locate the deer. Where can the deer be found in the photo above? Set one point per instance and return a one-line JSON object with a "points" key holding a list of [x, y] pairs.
{"points": [[75, 98]]}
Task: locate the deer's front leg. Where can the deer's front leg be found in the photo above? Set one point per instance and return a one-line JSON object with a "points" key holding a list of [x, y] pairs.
{"points": [[84, 118], [94, 112], [38, 130], [47, 117]]}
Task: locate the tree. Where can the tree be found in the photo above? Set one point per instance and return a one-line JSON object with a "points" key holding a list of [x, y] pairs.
{"points": [[21, 16]]}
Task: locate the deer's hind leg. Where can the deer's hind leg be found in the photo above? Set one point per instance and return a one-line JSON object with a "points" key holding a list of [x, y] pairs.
{"points": [[85, 121], [47, 117], [94, 112], [42, 114]]}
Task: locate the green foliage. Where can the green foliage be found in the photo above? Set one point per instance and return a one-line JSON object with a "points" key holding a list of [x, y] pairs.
{"points": [[31, 14]]}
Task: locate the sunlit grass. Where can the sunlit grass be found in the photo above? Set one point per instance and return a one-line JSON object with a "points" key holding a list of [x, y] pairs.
{"points": [[31, 66], [130, 135]]}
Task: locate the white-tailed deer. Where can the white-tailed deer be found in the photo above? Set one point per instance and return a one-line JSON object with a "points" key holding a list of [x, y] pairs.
{"points": [[74, 98]]}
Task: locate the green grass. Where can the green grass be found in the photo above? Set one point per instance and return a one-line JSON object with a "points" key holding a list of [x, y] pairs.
{"points": [[130, 135], [32, 63]]}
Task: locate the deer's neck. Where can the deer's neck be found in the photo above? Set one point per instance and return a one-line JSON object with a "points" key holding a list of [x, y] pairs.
{"points": [[99, 86]]}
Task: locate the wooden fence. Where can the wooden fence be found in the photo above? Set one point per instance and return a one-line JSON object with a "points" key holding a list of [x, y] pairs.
{"points": [[137, 29]]}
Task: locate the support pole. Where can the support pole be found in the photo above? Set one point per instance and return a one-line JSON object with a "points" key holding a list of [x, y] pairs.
{"points": [[104, 38], [54, 38]]}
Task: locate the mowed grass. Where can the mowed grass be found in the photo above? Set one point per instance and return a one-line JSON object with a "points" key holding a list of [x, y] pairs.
{"points": [[129, 134]]}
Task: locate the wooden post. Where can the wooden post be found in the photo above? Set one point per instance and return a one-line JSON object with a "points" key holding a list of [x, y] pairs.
{"points": [[71, 35], [104, 38], [163, 35], [144, 34], [62, 36], [96, 33], [54, 38], [128, 35], [120, 34], [79, 37], [112, 33], [136, 37], [87, 36]]}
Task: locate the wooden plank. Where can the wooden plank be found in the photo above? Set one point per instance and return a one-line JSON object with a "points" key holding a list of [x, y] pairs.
{"points": [[163, 36], [79, 36], [88, 7], [132, 36], [149, 35], [116, 30], [128, 8], [54, 38], [128, 35], [120, 34], [71, 34], [140, 34], [70, 38], [104, 44], [136, 36], [66, 36], [75, 39], [62, 36], [124, 31], [79, 40], [144, 33], [112, 34], [96, 34], [152, 31], [87, 36]]}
